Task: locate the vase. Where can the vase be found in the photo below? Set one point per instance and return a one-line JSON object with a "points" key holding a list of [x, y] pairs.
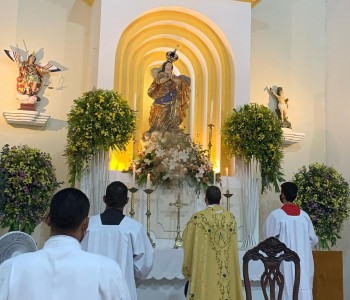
{"points": [[328, 276], [251, 178], [94, 180]]}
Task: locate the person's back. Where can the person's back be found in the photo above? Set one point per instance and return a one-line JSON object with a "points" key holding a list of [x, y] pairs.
{"points": [[121, 238], [211, 254], [293, 227], [62, 270]]}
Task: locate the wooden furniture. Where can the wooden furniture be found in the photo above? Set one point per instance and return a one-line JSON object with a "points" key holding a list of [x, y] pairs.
{"points": [[328, 277], [272, 253]]}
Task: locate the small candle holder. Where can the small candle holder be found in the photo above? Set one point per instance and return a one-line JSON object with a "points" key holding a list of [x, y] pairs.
{"points": [[148, 215], [132, 190], [210, 139], [178, 204], [228, 196]]}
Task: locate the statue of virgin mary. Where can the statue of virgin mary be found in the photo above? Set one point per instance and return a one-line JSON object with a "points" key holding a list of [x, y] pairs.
{"points": [[171, 95]]}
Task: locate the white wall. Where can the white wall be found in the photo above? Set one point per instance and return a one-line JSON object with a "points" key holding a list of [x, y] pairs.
{"points": [[231, 17], [303, 46], [62, 29], [338, 106], [288, 50]]}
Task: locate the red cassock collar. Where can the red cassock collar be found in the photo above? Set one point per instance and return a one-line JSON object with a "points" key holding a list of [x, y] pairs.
{"points": [[291, 209]]}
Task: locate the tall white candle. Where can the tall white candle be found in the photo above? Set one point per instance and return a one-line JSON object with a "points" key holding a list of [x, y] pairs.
{"points": [[226, 178], [148, 185], [133, 174], [214, 173], [211, 112]]}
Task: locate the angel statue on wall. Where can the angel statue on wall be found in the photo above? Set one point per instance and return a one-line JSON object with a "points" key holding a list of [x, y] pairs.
{"points": [[282, 104], [171, 95], [30, 76]]}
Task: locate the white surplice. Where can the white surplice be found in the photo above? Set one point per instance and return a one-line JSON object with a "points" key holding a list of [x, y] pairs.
{"points": [[126, 243], [61, 270], [298, 233]]}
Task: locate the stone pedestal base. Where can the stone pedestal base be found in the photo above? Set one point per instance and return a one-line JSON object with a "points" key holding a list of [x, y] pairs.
{"points": [[26, 117]]}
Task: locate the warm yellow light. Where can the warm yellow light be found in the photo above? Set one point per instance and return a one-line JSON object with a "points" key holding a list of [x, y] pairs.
{"points": [[121, 160], [205, 57]]}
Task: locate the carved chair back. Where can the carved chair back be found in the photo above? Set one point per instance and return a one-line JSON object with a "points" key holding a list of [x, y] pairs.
{"points": [[272, 253]]}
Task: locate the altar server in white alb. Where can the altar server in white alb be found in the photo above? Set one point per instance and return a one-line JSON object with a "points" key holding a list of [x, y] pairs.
{"points": [[293, 226], [121, 238], [62, 270]]}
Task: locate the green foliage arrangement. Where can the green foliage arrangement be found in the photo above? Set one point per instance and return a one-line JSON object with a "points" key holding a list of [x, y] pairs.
{"points": [[325, 196], [99, 120], [172, 159], [253, 131], [27, 182]]}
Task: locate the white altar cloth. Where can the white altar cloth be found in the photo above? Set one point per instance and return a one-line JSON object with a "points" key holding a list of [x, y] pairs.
{"points": [[167, 282], [168, 262]]}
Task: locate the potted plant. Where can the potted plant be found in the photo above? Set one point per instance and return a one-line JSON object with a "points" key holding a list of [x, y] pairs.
{"points": [[324, 195], [27, 182], [99, 120], [254, 134], [253, 131]]}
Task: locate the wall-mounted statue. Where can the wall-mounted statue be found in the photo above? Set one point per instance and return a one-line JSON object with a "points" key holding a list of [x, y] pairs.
{"points": [[282, 104], [171, 96], [29, 80]]}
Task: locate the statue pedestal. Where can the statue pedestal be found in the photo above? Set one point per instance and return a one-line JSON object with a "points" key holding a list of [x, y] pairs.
{"points": [[28, 106], [291, 137], [26, 117]]}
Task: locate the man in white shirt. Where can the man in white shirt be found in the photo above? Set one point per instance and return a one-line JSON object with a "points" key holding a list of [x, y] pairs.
{"points": [[62, 270], [119, 237], [293, 227]]}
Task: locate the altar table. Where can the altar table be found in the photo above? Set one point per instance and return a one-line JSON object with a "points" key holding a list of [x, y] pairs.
{"points": [[166, 282]]}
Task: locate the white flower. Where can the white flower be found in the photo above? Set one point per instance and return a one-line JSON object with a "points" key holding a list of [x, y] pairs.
{"points": [[183, 155], [147, 161], [160, 152], [201, 171], [172, 164]]}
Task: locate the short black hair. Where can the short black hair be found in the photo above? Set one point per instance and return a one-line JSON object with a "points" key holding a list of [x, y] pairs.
{"points": [[116, 194], [289, 190], [213, 194], [69, 207]]}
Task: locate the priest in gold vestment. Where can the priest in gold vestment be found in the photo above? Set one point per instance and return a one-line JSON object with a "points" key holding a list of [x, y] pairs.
{"points": [[211, 252]]}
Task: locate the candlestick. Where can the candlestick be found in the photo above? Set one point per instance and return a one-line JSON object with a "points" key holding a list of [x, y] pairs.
{"points": [[210, 139], [228, 196], [178, 204], [132, 190], [148, 215]]}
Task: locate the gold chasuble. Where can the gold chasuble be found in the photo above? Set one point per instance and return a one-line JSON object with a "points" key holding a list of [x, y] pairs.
{"points": [[211, 256]]}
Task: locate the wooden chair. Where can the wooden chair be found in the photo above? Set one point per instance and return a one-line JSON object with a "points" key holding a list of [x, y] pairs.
{"points": [[271, 252]]}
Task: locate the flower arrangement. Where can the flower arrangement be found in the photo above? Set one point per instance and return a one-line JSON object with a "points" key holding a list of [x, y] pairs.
{"points": [[27, 182], [172, 158], [325, 196], [253, 131], [99, 120]]}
